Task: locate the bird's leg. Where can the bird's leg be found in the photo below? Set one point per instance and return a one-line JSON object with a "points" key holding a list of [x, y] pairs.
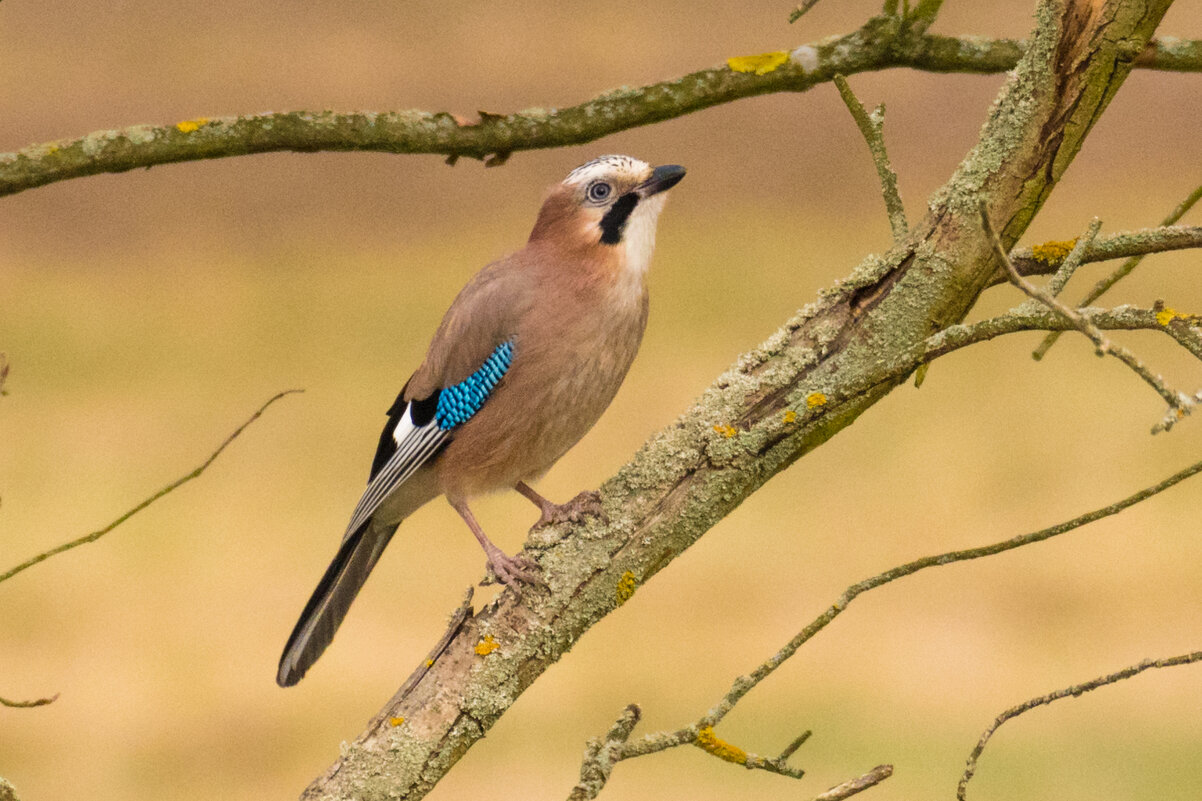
{"points": [[587, 503], [509, 569]]}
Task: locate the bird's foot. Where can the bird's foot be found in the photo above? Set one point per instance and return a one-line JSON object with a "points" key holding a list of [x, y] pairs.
{"points": [[586, 504], [514, 571]]}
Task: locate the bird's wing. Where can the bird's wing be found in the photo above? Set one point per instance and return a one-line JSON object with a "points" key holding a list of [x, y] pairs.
{"points": [[412, 436], [470, 353]]}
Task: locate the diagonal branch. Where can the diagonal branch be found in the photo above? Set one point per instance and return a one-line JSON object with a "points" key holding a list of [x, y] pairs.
{"points": [[1124, 269], [883, 42], [1179, 403], [780, 401], [1074, 691], [174, 485], [701, 731]]}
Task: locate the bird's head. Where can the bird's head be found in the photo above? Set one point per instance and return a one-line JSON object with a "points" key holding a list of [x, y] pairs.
{"points": [[608, 205]]}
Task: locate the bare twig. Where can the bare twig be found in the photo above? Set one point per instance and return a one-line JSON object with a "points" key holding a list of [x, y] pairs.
{"points": [[1123, 270], [870, 126], [1073, 691], [3, 374], [1074, 259], [1048, 257], [95, 535], [801, 10], [1179, 403], [858, 785], [701, 732], [744, 684], [601, 754], [28, 704]]}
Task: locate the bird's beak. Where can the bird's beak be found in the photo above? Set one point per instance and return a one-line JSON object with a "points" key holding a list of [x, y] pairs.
{"points": [[662, 179]]}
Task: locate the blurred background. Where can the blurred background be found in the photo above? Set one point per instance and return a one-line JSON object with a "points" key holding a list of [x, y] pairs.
{"points": [[147, 314]]}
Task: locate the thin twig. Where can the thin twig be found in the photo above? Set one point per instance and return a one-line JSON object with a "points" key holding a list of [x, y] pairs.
{"points": [[744, 684], [1074, 259], [801, 10], [663, 740], [1179, 403], [858, 785], [95, 535], [1073, 691], [602, 754], [1046, 258], [1123, 270], [870, 126], [28, 704], [3, 374]]}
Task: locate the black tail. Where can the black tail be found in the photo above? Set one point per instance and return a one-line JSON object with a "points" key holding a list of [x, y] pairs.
{"points": [[331, 600]]}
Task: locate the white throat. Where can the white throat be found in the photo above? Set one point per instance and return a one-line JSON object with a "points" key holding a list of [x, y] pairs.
{"points": [[638, 238]]}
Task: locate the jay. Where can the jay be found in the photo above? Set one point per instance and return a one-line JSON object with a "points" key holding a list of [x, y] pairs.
{"points": [[528, 356]]}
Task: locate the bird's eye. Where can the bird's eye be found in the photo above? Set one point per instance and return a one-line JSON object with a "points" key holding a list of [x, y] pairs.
{"points": [[598, 191]]}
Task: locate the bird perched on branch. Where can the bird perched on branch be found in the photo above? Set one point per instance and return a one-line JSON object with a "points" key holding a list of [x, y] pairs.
{"points": [[527, 358]]}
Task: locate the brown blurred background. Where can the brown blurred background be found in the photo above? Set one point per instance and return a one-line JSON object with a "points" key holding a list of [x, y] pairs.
{"points": [[146, 314]]}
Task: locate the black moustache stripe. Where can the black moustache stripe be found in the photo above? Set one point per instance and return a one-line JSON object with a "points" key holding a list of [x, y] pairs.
{"points": [[615, 219]]}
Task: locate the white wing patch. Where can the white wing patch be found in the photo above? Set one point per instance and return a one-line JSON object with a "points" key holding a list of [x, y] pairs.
{"points": [[415, 445]]}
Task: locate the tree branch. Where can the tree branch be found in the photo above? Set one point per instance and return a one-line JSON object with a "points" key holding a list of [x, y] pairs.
{"points": [[780, 401], [179, 482], [28, 704], [883, 42], [1068, 692], [1047, 258], [1179, 403], [703, 728], [1123, 271], [858, 785], [871, 126]]}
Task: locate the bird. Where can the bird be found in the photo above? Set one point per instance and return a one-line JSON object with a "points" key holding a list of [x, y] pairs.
{"points": [[528, 356]]}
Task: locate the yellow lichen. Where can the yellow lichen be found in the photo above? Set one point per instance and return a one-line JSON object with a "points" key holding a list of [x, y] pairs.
{"points": [[626, 586], [815, 399], [188, 126], [429, 663], [395, 721], [725, 430], [790, 416], [1052, 253], [760, 64], [487, 645], [1167, 315], [712, 744]]}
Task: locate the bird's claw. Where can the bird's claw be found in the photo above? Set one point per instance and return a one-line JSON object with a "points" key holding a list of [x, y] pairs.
{"points": [[514, 571], [586, 504]]}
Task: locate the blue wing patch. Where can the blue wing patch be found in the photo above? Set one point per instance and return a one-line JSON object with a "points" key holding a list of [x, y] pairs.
{"points": [[457, 404], [427, 431]]}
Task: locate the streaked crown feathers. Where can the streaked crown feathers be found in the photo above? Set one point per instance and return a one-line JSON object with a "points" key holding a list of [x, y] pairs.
{"points": [[611, 166]]}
